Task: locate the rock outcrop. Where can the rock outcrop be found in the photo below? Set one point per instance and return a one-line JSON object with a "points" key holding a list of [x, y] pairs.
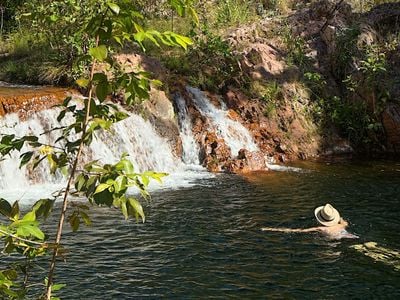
{"points": [[391, 123]]}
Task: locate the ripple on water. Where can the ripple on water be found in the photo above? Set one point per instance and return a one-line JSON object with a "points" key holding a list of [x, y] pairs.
{"points": [[205, 241]]}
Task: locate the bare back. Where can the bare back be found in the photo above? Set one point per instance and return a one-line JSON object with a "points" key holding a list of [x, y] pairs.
{"points": [[337, 231]]}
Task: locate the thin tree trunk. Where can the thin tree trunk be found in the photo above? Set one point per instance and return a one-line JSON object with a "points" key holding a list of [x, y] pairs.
{"points": [[68, 187], [2, 20]]}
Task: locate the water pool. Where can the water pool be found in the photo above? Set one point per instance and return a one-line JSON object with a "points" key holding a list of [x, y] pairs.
{"points": [[205, 241]]}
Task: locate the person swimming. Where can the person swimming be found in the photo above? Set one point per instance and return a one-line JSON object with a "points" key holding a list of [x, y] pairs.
{"points": [[334, 226]]}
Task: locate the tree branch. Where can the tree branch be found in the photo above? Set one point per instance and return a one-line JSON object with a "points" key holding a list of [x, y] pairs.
{"points": [[22, 239]]}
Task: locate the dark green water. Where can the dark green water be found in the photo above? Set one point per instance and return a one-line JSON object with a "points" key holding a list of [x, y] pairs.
{"points": [[205, 241]]}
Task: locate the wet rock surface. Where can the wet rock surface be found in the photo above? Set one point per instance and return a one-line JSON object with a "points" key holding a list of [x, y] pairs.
{"points": [[25, 101]]}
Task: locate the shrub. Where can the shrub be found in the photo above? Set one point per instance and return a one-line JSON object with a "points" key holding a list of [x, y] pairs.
{"points": [[295, 48], [235, 12]]}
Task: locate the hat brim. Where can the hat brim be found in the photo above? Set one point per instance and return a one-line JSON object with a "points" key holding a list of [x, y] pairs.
{"points": [[320, 219]]}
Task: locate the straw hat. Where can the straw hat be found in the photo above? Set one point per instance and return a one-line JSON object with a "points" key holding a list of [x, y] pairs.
{"points": [[327, 215]]}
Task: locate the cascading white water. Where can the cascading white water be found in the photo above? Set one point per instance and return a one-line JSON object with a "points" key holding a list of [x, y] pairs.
{"points": [[236, 136], [190, 147], [134, 135], [137, 137]]}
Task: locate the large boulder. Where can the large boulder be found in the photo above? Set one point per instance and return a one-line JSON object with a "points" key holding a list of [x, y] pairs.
{"points": [[215, 152], [263, 61], [160, 111], [246, 162]]}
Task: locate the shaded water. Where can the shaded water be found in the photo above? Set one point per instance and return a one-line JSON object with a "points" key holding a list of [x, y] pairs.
{"points": [[205, 241]]}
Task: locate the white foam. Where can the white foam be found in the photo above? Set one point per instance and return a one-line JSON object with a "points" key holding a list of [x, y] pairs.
{"points": [[280, 168], [235, 135]]}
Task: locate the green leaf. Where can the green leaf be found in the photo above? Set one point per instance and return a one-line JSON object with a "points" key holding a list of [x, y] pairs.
{"points": [[85, 218], [137, 207], [101, 187], [52, 162], [139, 37], [36, 232], [89, 166], [114, 7], [178, 6], [100, 77], [182, 41], [104, 198], [125, 165], [30, 216], [120, 184], [74, 221], [61, 115], [11, 274], [15, 210], [194, 15], [31, 138], [118, 40], [5, 208], [82, 82], [155, 175], [9, 245], [18, 144], [145, 180], [43, 207], [102, 90], [23, 231], [53, 18], [150, 36], [57, 287], [156, 83], [26, 229], [25, 158], [100, 53], [124, 209], [7, 139], [79, 182]]}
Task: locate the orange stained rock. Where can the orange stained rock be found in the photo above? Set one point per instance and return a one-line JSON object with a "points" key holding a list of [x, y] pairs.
{"points": [[25, 100]]}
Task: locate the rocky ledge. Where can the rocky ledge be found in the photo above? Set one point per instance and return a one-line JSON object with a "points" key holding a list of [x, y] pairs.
{"points": [[24, 101]]}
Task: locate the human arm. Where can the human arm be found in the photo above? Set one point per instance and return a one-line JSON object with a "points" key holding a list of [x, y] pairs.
{"points": [[312, 229]]}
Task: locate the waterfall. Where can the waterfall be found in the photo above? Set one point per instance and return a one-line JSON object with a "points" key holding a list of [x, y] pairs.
{"points": [[190, 153], [137, 137], [134, 135], [236, 136]]}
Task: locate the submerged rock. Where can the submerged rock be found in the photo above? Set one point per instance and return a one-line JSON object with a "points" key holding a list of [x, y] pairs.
{"points": [[378, 253]]}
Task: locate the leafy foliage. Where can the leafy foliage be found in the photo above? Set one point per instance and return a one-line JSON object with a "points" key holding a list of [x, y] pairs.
{"points": [[210, 64], [86, 33], [295, 48], [8, 9]]}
